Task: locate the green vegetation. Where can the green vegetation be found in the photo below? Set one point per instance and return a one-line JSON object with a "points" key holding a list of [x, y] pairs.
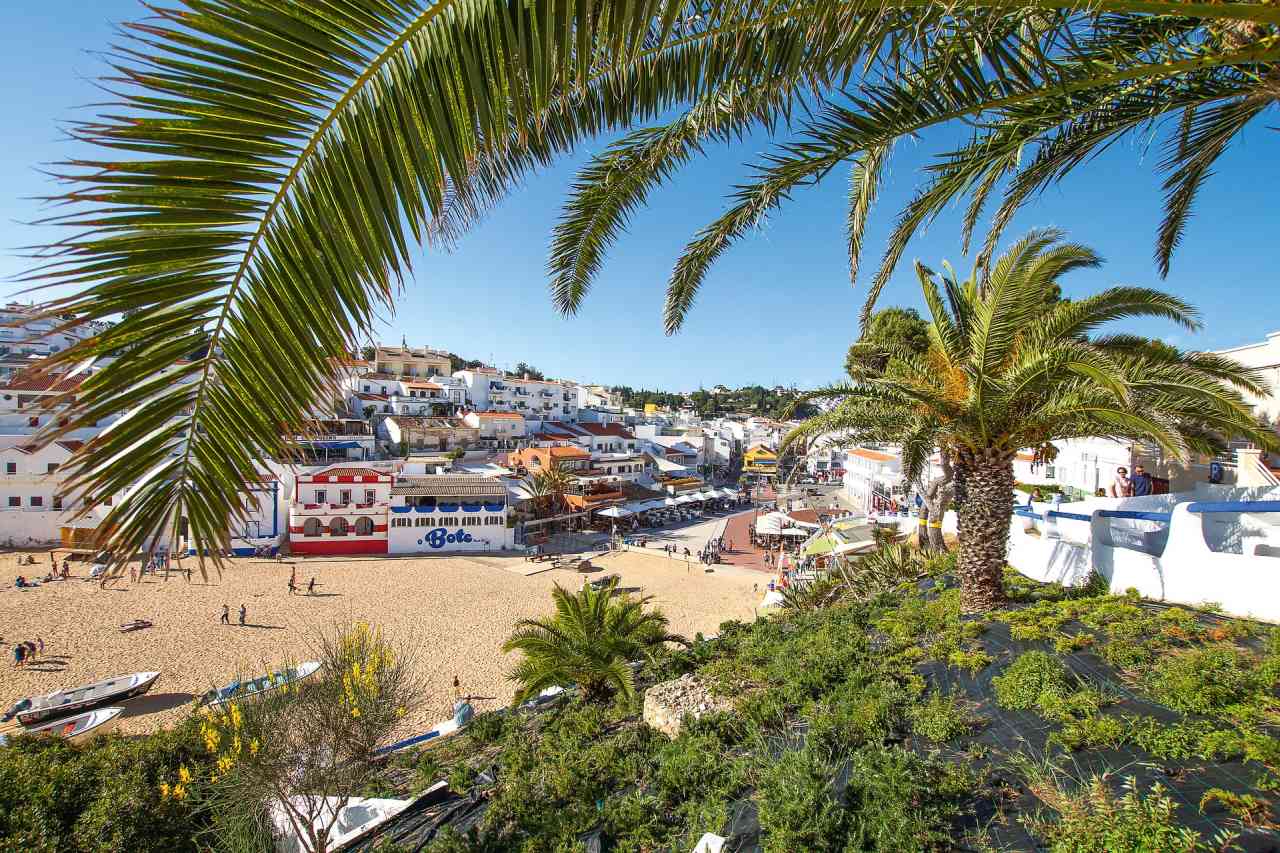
{"points": [[113, 795], [1092, 819], [942, 717], [842, 734], [589, 642], [1009, 366]]}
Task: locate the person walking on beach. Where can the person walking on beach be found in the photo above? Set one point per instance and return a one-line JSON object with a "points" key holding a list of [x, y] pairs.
{"points": [[19, 655], [293, 588], [311, 586], [242, 614], [40, 645], [226, 615]]}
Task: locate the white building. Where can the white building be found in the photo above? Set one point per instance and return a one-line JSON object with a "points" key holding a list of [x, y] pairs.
{"points": [[1264, 355], [25, 337], [502, 428], [340, 510], [447, 514], [536, 399], [872, 478]]}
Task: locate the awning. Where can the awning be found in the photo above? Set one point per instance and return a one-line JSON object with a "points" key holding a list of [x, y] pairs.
{"points": [[821, 545], [334, 445], [793, 531], [854, 547], [669, 502], [729, 493], [615, 512]]}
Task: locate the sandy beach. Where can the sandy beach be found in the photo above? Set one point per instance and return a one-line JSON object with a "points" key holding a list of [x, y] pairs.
{"points": [[456, 610]]}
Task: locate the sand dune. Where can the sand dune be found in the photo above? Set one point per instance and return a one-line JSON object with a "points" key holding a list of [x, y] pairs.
{"points": [[457, 611]]}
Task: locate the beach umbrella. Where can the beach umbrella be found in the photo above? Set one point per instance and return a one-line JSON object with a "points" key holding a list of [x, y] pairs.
{"points": [[615, 512]]}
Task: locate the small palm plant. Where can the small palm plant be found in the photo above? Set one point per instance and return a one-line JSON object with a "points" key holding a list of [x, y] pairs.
{"points": [[590, 641], [1008, 368]]}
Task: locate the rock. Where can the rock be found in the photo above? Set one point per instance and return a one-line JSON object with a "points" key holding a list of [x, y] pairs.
{"points": [[667, 704]]}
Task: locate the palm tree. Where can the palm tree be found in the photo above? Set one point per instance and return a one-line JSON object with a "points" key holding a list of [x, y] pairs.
{"points": [[268, 165], [590, 642], [1005, 371], [549, 486]]}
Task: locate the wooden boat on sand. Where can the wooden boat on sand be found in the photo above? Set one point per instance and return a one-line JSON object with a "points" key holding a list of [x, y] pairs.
{"points": [[64, 703]]}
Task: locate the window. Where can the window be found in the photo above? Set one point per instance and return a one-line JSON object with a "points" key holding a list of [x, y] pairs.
{"points": [[370, 495], [1050, 472], [53, 466], [57, 501], [338, 527], [15, 501], [364, 526], [11, 467], [320, 496], [311, 527], [344, 496], [37, 500]]}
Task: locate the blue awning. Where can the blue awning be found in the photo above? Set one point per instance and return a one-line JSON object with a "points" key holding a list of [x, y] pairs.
{"points": [[335, 445]]}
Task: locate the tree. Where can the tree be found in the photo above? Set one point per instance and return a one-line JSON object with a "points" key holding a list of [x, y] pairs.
{"points": [[265, 233], [548, 487], [897, 327], [590, 641], [293, 747], [1002, 373], [528, 370]]}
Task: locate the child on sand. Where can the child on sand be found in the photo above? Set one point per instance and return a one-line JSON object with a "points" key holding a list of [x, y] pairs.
{"points": [[242, 614]]}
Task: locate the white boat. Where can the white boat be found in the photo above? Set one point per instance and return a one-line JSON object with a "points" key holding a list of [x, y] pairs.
{"points": [[260, 685], [75, 729], [64, 703], [347, 823]]}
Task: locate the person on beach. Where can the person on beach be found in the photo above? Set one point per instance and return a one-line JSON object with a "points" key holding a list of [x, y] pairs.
{"points": [[242, 614], [31, 650], [226, 615], [40, 645], [19, 655], [311, 586], [293, 588]]}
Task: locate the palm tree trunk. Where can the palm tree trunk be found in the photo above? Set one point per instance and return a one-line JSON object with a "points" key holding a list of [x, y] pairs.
{"points": [[984, 528]]}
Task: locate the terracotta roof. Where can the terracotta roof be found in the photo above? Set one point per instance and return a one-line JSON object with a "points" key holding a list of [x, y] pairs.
{"points": [[499, 415], [566, 452], [809, 516], [610, 429], [349, 472], [873, 455], [450, 485], [428, 385], [50, 382]]}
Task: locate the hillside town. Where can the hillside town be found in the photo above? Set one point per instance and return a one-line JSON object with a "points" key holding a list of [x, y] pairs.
{"points": [[407, 437]]}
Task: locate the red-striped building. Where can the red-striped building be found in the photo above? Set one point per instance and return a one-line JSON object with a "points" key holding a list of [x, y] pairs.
{"points": [[340, 510]]}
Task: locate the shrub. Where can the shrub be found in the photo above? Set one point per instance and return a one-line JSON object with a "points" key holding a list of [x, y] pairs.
{"points": [[1203, 681], [1246, 808], [1094, 732], [857, 713], [972, 660], [898, 801], [1092, 819], [942, 716], [104, 796], [1034, 679], [798, 806]]}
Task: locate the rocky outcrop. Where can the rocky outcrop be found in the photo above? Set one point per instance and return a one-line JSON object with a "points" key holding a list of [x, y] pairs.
{"points": [[666, 704]]}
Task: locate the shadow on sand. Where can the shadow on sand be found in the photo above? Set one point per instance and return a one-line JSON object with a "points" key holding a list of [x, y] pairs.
{"points": [[154, 703]]}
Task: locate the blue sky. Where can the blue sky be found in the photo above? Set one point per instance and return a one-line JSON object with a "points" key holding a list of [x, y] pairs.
{"points": [[777, 309]]}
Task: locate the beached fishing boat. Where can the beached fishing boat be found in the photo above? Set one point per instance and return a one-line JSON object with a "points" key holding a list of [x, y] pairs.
{"points": [[79, 728], [260, 685], [64, 703]]}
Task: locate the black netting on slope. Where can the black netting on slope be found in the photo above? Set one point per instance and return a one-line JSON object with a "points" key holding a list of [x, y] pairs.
{"points": [[992, 751]]}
